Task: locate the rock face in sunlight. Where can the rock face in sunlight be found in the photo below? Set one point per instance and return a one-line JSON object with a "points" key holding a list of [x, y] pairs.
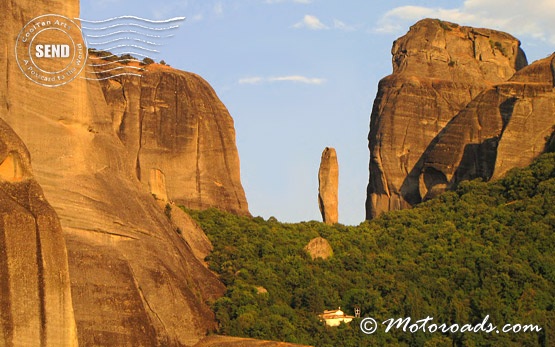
{"points": [[172, 121], [506, 126], [137, 277], [328, 185], [35, 295], [438, 69]]}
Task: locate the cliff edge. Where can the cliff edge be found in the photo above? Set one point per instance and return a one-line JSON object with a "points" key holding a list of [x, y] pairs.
{"points": [[438, 69], [178, 133]]}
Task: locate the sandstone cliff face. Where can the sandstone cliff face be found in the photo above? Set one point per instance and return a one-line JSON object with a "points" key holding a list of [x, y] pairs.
{"points": [[135, 281], [438, 68], [191, 232], [35, 296], [506, 126], [328, 185], [177, 130]]}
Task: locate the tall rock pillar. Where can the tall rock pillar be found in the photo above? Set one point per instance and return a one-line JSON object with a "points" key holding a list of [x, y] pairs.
{"points": [[328, 185]]}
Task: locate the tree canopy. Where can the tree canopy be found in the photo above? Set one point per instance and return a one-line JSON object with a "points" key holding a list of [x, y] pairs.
{"points": [[483, 249]]}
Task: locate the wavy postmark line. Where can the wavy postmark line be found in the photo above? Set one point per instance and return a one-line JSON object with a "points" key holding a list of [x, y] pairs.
{"points": [[133, 25], [175, 19], [99, 73], [114, 76], [132, 46], [129, 46], [130, 32], [119, 68], [113, 62], [121, 53], [124, 39], [128, 41], [120, 18]]}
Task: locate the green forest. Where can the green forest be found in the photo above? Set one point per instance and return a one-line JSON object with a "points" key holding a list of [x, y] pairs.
{"points": [[483, 249]]}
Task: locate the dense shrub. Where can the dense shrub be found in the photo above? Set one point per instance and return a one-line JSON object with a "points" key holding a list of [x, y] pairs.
{"points": [[147, 61]]}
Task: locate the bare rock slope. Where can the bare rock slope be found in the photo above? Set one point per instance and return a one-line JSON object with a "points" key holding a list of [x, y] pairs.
{"points": [[35, 297], [438, 69]]}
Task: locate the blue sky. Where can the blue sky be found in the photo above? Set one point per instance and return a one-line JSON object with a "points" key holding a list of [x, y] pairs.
{"points": [[300, 75]]}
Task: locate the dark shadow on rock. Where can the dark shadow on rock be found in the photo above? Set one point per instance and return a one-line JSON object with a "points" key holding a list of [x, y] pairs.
{"points": [[410, 189], [550, 142], [478, 161], [506, 109], [435, 182]]}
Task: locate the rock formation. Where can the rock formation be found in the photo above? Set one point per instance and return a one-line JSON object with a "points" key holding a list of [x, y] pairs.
{"points": [[178, 134], [328, 185], [189, 231], [438, 69], [135, 281], [35, 295], [506, 126], [319, 247]]}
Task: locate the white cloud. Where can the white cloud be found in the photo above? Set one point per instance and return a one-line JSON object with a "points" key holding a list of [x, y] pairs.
{"points": [[337, 24], [532, 19], [298, 79], [313, 23], [251, 80], [310, 22], [291, 78]]}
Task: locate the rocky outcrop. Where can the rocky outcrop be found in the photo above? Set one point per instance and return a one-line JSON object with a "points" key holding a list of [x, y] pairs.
{"points": [[190, 231], [319, 247], [328, 185], [35, 297], [506, 126], [438, 69], [177, 132], [135, 281]]}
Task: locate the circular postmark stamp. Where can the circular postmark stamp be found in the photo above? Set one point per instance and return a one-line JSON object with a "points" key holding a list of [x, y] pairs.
{"points": [[50, 50]]}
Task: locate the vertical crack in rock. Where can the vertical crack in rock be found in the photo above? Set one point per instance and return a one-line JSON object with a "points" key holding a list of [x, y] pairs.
{"points": [[41, 285], [6, 333]]}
